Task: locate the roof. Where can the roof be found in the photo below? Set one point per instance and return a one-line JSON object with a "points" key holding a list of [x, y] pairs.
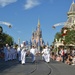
{"points": [[71, 17], [72, 8]]}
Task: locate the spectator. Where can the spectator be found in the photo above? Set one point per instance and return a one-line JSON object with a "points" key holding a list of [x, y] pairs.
{"points": [[69, 60], [73, 60], [58, 58]]}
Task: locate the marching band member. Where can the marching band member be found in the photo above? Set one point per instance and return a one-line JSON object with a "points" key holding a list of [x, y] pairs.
{"points": [[9, 54], [5, 52], [46, 54], [33, 53], [14, 53], [19, 53], [23, 56]]}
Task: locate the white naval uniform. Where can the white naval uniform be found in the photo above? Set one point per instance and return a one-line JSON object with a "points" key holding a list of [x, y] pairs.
{"points": [[19, 53], [5, 53], [23, 56], [14, 56], [33, 53], [9, 54], [46, 55]]}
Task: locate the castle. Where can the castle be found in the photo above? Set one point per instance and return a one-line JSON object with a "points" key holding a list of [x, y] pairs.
{"points": [[36, 38]]}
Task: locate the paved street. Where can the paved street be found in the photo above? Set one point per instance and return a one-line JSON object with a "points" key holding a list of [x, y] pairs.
{"points": [[38, 68]]}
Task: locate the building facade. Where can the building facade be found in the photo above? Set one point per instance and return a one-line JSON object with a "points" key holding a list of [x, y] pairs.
{"points": [[69, 24], [71, 17]]}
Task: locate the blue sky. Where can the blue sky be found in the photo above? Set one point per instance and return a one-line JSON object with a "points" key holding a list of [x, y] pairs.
{"points": [[24, 14]]}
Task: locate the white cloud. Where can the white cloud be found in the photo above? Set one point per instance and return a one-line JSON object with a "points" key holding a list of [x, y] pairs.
{"points": [[3, 3], [31, 3]]}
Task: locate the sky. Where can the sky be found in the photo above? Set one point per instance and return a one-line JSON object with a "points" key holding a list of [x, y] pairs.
{"points": [[23, 15]]}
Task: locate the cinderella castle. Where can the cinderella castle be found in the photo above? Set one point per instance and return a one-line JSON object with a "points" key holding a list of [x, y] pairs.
{"points": [[36, 38]]}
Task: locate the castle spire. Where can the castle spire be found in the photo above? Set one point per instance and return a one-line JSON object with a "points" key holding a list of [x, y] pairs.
{"points": [[38, 23], [73, 2]]}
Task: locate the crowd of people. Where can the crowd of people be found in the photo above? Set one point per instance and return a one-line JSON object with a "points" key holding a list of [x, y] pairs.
{"points": [[65, 55], [10, 53], [21, 52]]}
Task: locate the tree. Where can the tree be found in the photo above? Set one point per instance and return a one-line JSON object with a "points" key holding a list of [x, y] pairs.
{"points": [[9, 40], [1, 30], [70, 37], [58, 35], [5, 38], [64, 32]]}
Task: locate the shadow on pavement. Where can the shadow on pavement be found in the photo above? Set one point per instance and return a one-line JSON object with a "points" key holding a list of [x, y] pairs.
{"points": [[7, 64]]}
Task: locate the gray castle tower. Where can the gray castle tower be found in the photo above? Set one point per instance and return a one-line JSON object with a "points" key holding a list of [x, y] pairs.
{"points": [[37, 36]]}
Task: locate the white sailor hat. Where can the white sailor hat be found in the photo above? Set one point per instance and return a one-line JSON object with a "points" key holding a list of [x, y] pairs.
{"points": [[13, 46], [22, 45], [6, 44]]}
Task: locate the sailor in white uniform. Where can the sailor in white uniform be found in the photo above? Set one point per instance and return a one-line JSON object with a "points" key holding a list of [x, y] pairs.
{"points": [[46, 54], [19, 53], [14, 56], [5, 52], [9, 54], [23, 56], [33, 53]]}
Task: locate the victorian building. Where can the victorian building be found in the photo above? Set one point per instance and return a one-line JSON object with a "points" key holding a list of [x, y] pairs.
{"points": [[69, 24], [71, 17]]}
